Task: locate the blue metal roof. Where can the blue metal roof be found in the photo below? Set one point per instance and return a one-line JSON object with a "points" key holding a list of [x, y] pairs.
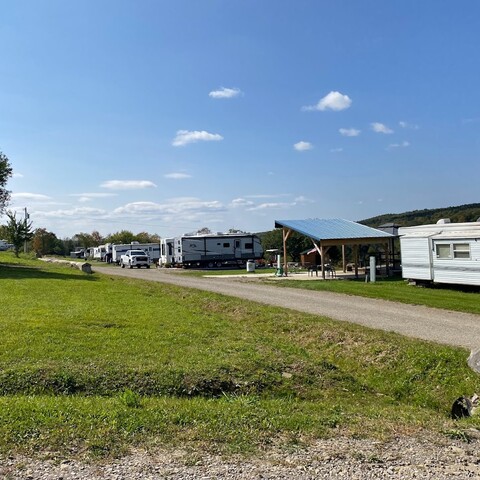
{"points": [[331, 229]]}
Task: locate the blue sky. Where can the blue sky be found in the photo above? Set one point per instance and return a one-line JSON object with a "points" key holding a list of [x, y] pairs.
{"points": [[167, 117]]}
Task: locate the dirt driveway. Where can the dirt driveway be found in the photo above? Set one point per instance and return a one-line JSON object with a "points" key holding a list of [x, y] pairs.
{"points": [[442, 326]]}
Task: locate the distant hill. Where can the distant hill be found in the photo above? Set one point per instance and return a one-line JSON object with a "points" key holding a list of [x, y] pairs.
{"points": [[462, 213]]}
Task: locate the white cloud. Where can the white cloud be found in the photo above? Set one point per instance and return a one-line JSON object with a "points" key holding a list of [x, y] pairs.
{"points": [[333, 101], [336, 150], [33, 197], [412, 126], [271, 205], [380, 128], [127, 184], [185, 136], [269, 195], [303, 146], [74, 212], [241, 202], [93, 195], [177, 175], [302, 199], [399, 145], [17, 175], [175, 206], [225, 93], [349, 132]]}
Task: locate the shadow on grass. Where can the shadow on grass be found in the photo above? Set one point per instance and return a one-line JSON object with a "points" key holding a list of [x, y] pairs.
{"points": [[19, 272]]}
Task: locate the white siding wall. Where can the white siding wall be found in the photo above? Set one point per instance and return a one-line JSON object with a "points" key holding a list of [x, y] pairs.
{"points": [[415, 254], [462, 271]]}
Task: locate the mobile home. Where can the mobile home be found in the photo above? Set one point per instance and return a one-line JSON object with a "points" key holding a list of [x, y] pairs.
{"points": [[442, 253], [213, 250]]}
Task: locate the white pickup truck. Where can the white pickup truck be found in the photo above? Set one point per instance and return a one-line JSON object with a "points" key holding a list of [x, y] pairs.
{"points": [[135, 258]]}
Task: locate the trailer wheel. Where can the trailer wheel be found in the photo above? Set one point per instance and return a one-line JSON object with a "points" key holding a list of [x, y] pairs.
{"points": [[148, 266], [210, 264]]}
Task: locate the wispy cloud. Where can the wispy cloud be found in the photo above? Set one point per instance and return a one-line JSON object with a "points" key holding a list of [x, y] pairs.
{"points": [[127, 184], [270, 205], [88, 197], [94, 195], [185, 137], [73, 212], [176, 206], [303, 146], [380, 128], [399, 145], [336, 150], [241, 202], [225, 93], [332, 101], [17, 175], [177, 175], [33, 197], [410, 126], [349, 132]]}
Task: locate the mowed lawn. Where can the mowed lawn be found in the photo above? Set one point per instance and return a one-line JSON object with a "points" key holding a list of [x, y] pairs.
{"points": [[96, 364]]}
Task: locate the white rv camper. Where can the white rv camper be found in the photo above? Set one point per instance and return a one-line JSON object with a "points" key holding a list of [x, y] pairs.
{"points": [[151, 249], [211, 250], [442, 253]]}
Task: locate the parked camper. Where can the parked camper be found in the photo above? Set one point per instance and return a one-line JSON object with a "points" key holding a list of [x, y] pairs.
{"points": [[211, 250], [4, 245], [151, 249], [99, 253], [442, 253]]}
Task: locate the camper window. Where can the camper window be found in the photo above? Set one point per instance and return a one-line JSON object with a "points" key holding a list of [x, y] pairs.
{"points": [[226, 245], [453, 250], [443, 250], [461, 250]]}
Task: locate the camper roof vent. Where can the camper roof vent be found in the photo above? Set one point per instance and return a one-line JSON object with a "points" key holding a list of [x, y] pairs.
{"points": [[443, 220]]}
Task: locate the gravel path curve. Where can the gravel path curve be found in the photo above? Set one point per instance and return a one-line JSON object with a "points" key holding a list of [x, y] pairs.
{"points": [[442, 326]]}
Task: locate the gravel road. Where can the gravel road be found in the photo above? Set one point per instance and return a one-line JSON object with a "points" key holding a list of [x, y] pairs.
{"points": [[442, 326]]}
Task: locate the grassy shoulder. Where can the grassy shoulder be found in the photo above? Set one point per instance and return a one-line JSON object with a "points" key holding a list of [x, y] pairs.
{"points": [[396, 290], [97, 364]]}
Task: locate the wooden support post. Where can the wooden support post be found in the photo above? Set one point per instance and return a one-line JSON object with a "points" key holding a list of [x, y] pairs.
{"points": [[344, 259], [387, 258], [286, 234], [322, 255], [355, 259]]}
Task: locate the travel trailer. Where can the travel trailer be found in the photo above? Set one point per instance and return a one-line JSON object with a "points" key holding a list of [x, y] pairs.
{"points": [[212, 250], [441, 253]]}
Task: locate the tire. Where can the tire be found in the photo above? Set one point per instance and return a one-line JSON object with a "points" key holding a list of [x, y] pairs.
{"points": [[148, 266], [210, 265], [130, 266], [122, 265]]}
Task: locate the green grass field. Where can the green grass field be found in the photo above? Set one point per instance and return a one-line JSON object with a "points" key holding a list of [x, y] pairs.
{"points": [[97, 364]]}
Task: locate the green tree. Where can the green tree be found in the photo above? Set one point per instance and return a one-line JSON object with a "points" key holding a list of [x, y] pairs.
{"points": [[44, 242], [5, 174], [119, 238], [296, 243], [18, 231], [84, 240]]}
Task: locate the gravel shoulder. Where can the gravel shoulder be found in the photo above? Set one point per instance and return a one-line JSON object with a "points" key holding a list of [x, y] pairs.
{"points": [[339, 458]]}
